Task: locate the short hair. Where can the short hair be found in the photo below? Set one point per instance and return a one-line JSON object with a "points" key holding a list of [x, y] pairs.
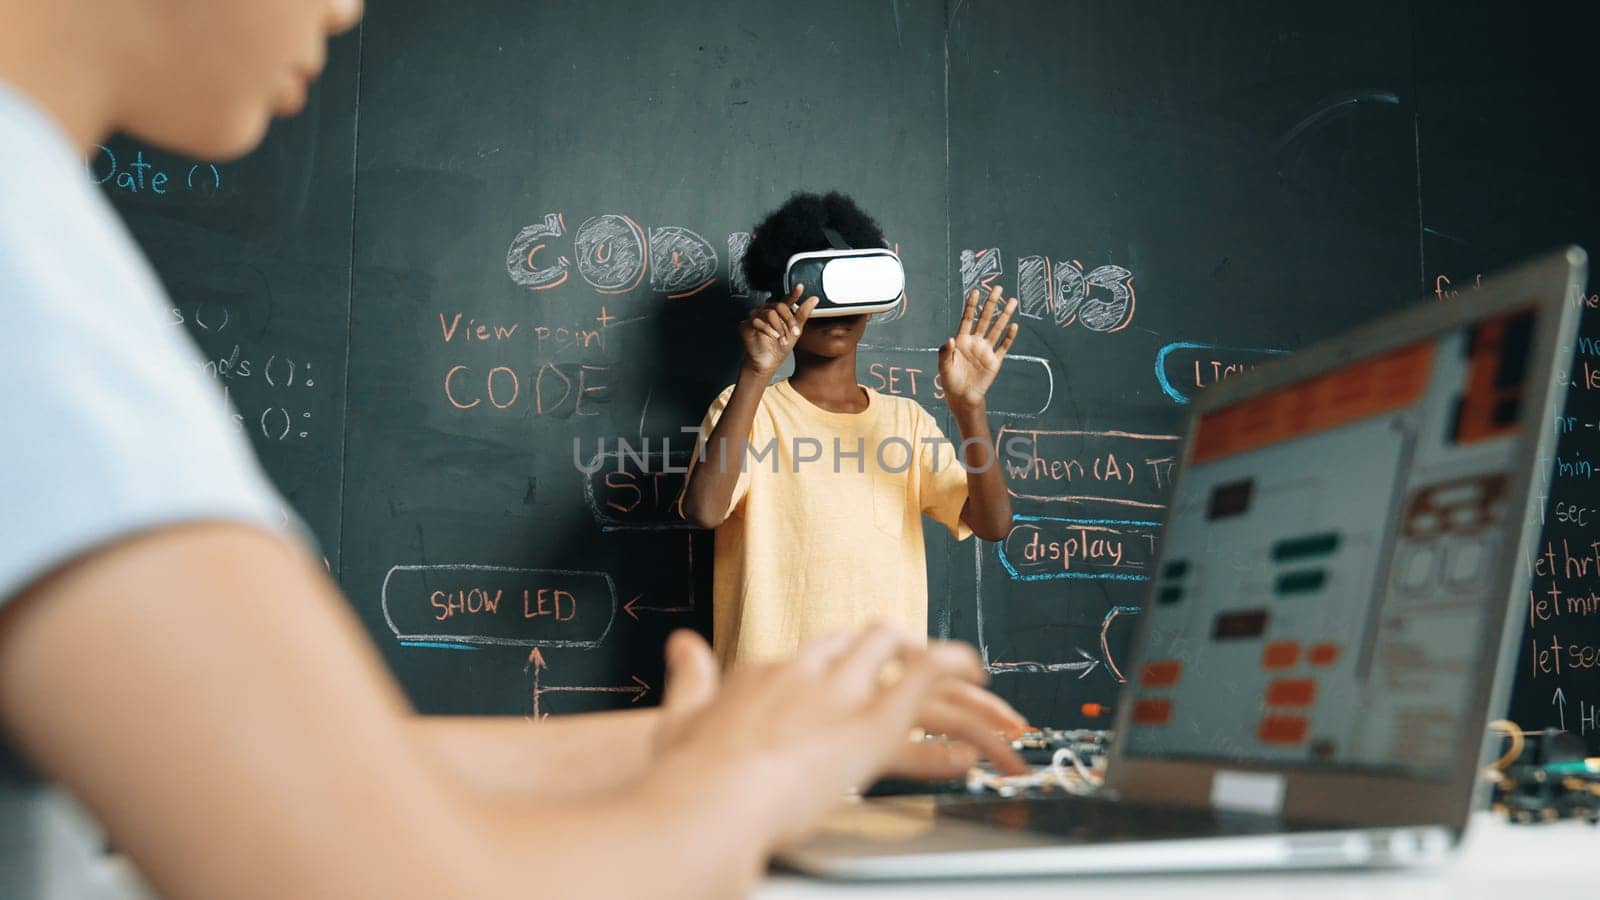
{"points": [[796, 227]]}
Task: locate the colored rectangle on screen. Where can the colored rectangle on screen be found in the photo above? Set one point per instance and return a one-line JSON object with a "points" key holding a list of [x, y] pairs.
{"points": [[1283, 729], [1152, 711], [1303, 582], [1295, 548], [1162, 673], [1280, 655], [1324, 654], [1231, 499], [1239, 624], [1292, 692], [1385, 383]]}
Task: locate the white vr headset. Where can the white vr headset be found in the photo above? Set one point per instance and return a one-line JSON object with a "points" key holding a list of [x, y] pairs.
{"points": [[847, 282]]}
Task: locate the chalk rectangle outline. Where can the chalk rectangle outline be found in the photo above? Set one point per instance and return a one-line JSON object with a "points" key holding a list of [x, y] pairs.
{"points": [[611, 590]]}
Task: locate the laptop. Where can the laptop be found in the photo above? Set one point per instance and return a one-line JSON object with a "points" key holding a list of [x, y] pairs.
{"points": [[1331, 621]]}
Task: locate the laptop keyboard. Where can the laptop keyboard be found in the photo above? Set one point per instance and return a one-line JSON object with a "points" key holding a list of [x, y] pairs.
{"points": [[1084, 820]]}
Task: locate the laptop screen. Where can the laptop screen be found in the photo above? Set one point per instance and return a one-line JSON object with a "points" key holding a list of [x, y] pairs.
{"points": [[1330, 560]]}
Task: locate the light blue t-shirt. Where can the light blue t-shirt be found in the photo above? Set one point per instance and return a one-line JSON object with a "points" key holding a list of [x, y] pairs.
{"points": [[111, 428]]}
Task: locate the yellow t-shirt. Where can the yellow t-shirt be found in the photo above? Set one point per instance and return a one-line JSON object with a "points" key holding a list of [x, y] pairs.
{"points": [[816, 546]]}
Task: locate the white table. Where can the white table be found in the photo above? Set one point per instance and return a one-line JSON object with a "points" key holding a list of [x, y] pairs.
{"points": [[1515, 862]]}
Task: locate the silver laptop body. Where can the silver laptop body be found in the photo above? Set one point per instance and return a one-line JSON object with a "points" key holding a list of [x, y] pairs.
{"points": [[1330, 623]]}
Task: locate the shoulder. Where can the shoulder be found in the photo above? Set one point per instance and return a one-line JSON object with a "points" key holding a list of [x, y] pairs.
{"points": [[116, 426], [89, 326], [69, 269], [773, 394]]}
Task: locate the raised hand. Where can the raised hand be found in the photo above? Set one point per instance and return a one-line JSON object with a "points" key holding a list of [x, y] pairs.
{"points": [[770, 331], [970, 361]]}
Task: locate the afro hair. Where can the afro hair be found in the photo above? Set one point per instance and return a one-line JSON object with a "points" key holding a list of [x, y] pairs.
{"points": [[796, 227]]}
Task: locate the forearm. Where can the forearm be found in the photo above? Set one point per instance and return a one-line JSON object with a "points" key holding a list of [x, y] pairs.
{"points": [[263, 751], [680, 829], [686, 832], [559, 757], [710, 488], [988, 507]]}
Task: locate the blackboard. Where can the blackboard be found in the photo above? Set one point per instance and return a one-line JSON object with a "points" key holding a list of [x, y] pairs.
{"points": [[1506, 151], [505, 237]]}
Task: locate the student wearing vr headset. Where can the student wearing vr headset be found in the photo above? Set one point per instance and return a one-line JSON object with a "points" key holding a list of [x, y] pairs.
{"points": [[816, 485]]}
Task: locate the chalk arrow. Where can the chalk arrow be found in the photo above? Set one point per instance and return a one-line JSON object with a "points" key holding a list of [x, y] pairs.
{"points": [[638, 689], [1093, 664], [633, 608], [1083, 666], [1559, 700], [1105, 646]]}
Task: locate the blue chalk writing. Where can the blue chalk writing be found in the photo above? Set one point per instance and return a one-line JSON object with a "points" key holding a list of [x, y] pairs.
{"points": [[1574, 467], [141, 176]]}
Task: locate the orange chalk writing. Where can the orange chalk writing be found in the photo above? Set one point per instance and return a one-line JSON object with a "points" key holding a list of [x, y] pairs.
{"points": [[549, 602], [467, 602]]}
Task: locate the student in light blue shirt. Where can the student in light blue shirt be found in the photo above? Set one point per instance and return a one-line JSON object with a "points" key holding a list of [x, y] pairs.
{"points": [[172, 655]]}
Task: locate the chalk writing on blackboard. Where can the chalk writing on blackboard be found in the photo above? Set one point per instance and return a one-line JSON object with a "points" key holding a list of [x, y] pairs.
{"points": [[282, 415], [480, 604], [738, 246], [551, 389], [614, 254], [1024, 388], [1444, 288], [522, 262], [682, 263], [1114, 481], [635, 690], [626, 492], [204, 315], [1078, 660], [1041, 548], [641, 603], [1093, 469], [658, 597], [545, 338], [1105, 643], [276, 370], [278, 423], [980, 269], [1559, 593], [1062, 291], [136, 175], [1183, 368], [611, 251]]}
